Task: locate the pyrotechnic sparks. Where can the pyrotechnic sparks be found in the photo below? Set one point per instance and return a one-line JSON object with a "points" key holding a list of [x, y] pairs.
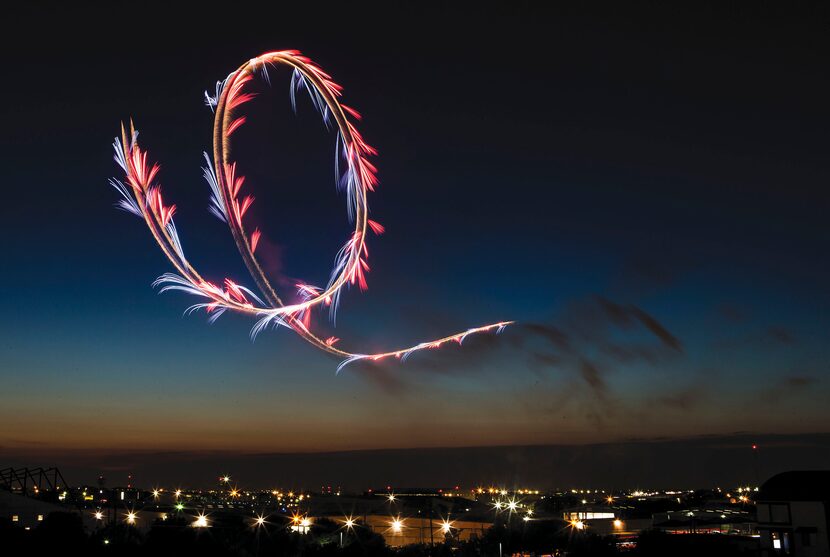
{"points": [[141, 195]]}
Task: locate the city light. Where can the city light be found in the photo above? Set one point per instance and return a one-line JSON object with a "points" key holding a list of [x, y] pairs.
{"points": [[512, 505], [391, 497], [179, 506], [156, 493], [260, 521], [349, 523], [578, 524], [99, 515], [200, 522], [178, 493], [618, 523], [446, 526], [131, 517], [225, 479], [305, 522], [397, 525]]}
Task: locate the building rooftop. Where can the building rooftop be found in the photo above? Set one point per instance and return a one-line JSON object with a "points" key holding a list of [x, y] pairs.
{"points": [[804, 485]]}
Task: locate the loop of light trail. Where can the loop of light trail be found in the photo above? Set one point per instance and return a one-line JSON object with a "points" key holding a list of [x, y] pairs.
{"points": [[141, 195]]}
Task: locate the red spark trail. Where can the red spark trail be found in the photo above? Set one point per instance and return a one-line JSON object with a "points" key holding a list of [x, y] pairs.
{"points": [[142, 196]]}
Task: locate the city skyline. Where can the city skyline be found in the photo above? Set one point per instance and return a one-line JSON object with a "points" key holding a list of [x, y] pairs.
{"points": [[646, 201]]}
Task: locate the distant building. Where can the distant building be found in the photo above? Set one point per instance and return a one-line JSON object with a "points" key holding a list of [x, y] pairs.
{"points": [[793, 514], [705, 521], [26, 512], [604, 520], [404, 531]]}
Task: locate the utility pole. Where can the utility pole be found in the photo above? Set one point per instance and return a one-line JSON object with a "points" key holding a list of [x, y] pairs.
{"points": [[431, 535]]}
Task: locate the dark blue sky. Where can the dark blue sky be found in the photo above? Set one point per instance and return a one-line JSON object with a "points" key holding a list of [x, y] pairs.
{"points": [[644, 193]]}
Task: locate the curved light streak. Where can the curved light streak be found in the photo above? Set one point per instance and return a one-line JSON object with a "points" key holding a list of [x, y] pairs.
{"points": [[142, 196]]}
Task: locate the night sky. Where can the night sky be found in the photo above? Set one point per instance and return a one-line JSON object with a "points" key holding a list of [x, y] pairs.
{"points": [[645, 193]]}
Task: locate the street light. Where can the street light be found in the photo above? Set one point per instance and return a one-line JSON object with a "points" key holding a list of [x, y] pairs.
{"points": [[446, 526]]}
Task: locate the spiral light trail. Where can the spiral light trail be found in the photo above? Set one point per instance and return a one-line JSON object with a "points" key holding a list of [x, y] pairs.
{"points": [[142, 196]]}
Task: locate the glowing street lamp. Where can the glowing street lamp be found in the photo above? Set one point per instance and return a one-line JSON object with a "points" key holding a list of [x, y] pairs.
{"points": [[156, 493], [179, 506], [391, 497], [397, 525], [260, 521], [200, 522], [99, 515], [446, 526], [131, 517]]}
